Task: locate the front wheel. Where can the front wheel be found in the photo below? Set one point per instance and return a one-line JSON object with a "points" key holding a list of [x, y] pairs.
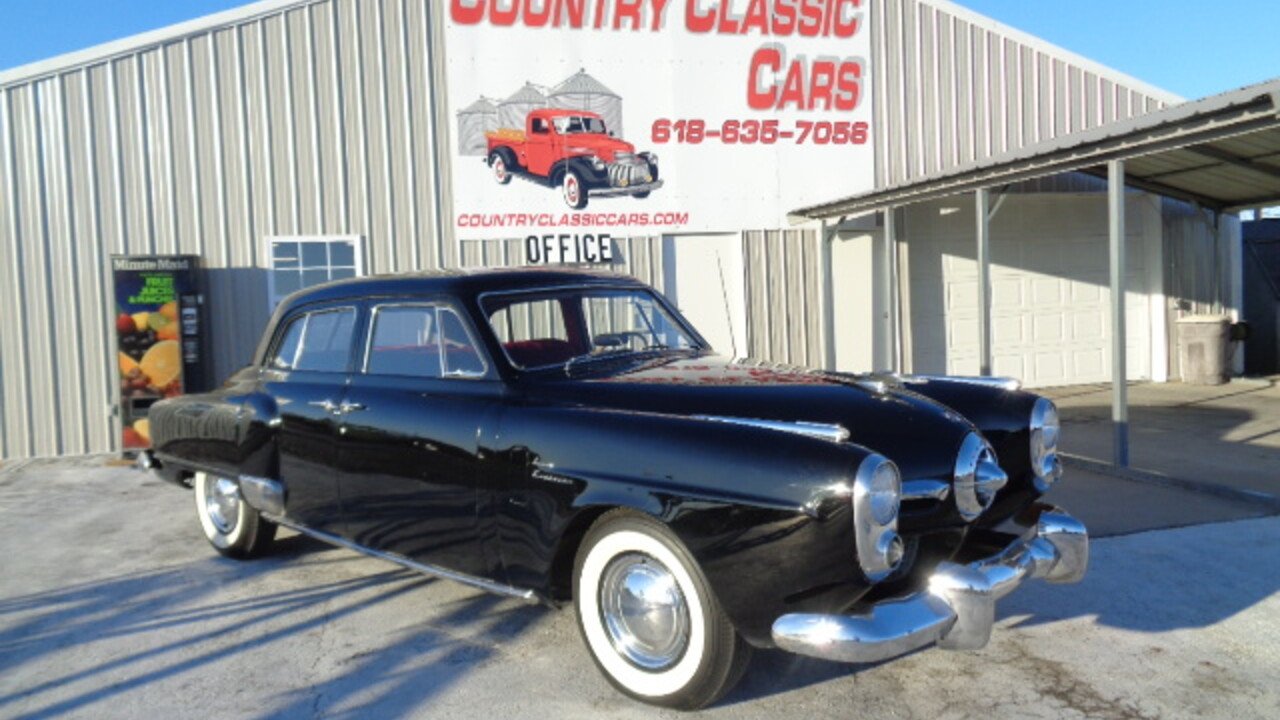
{"points": [[649, 617], [231, 525], [573, 189]]}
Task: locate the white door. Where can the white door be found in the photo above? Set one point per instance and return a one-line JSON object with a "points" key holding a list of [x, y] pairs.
{"points": [[1050, 294]]}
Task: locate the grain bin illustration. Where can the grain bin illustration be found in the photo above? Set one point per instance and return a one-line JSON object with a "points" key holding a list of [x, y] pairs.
{"points": [[582, 92], [474, 121], [513, 111]]}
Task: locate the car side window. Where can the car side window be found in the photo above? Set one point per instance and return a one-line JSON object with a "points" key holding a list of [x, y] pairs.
{"points": [[326, 341], [286, 354], [539, 126], [426, 341], [460, 356], [405, 341]]}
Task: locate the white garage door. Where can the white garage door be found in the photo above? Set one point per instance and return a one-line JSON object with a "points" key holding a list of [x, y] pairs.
{"points": [[1050, 292]]}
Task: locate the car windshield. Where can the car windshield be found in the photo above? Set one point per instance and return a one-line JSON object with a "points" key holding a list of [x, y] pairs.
{"points": [[562, 328], [573, 125]]}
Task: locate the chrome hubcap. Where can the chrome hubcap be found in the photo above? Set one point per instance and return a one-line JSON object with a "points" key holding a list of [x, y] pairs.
{"points": [[571, 189], [500, 169], [644, 612], [222, 504]]}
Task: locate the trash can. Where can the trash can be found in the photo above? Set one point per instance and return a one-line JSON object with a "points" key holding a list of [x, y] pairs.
{"points": [[1203, 341]]}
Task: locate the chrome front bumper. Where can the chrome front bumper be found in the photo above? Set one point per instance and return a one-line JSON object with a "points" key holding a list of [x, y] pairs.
{"points": [[631, 190], [958, 608]]}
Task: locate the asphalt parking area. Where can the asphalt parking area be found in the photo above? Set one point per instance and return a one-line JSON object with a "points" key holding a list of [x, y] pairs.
{"points": [[112, 605]]}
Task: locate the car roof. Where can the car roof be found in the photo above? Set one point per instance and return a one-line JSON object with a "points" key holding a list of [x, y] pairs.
{"points": [[463, 282]]}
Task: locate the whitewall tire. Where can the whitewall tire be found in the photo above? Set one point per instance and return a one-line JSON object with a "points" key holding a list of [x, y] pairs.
{"points": [[649, 617], [232, 526]]}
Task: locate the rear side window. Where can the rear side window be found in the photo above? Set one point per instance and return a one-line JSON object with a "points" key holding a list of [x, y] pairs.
{"points": [[317, 342], [326, 341], [286, 353], [426, 341]]}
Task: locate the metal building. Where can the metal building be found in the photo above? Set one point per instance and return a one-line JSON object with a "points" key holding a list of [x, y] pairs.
{"points": [[289, 121]]}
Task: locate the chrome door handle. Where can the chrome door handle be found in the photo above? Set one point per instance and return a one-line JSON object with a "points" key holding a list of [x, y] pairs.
{"points": [[347, 407], [326, 405]]}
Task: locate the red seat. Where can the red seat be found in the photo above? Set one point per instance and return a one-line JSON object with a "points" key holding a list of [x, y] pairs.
{"points": [[536, 353]]}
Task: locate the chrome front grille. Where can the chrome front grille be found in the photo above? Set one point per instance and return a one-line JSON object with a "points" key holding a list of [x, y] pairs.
{"points": [[627, 170]]}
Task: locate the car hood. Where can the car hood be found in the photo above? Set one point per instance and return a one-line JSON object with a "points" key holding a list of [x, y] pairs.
{"points": [[603, 145], [919, 434]]}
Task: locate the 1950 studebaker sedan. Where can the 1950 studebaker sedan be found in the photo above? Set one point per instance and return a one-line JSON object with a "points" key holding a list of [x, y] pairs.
{"points": [[556, 435]]}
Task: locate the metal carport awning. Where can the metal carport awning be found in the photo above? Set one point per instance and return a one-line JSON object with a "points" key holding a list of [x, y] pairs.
{"points": [[1222, 153]]}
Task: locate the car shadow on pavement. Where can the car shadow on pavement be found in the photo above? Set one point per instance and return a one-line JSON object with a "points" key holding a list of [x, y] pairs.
{"points": [[402, 677], [177, 620]]}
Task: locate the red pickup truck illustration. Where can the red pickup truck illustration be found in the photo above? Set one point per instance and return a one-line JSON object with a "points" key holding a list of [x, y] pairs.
{"points": [[574, 151]]}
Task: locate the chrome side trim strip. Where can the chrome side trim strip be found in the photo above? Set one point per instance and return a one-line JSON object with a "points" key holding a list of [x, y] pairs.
{"points": [[822, 431], [1000, 383], [925, 490], [528, 596]]}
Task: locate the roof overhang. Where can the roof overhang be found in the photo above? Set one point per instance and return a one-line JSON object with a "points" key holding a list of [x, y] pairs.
{"points": [[1222, 152]]}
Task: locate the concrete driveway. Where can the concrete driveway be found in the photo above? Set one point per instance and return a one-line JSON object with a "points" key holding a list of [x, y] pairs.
{"points": [[1226, 435], [112, 605]]}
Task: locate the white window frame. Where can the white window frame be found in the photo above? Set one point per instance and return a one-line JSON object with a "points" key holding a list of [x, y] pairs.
{"points": [[357, 241]]}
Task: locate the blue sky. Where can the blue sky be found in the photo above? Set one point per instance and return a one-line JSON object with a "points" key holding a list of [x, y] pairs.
{"points": [[1190, 47]]}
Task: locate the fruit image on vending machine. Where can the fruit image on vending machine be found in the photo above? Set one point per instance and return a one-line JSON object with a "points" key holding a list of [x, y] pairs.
{"points": [[158, 329]]}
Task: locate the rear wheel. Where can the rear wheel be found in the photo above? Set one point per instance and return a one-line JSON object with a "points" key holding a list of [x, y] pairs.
{"points": [[649, 617], [501, 172], [232, 526]]}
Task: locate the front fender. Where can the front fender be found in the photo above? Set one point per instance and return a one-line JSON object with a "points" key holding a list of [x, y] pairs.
{"points": [[1004, 418], [766, 513]]}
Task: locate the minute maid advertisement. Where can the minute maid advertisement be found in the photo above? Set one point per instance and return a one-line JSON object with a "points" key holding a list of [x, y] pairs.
{"points": [[156, 335], [653, 116]]}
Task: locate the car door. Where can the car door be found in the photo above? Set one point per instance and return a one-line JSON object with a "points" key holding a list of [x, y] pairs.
{"points": [[306, 376], [539, 146], [411, 456]]}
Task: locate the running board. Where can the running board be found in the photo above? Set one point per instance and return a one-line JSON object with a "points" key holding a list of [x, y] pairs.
{"points": [[528, 596]]}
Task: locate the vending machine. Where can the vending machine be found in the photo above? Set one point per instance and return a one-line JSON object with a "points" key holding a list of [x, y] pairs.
{"points": [[159, 329]]}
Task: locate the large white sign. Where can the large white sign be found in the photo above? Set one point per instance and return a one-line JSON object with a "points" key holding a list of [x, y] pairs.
{"points": [[648, 116]]}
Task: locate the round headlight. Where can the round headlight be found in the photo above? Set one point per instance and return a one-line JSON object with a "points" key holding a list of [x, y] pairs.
{"points": [[597, 163], [978, 477], [1045, 429], [877, 493], [885, 493]]}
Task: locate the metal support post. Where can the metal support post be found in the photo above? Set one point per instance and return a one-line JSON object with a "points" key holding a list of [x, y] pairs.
{"points": [[893, 324], [1119, 361], [983, 215]]}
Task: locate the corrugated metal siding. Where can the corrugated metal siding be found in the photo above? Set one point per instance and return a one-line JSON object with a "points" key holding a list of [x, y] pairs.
{"points": [[313, 118], [784, 296], [950, 90], [319, 117]]}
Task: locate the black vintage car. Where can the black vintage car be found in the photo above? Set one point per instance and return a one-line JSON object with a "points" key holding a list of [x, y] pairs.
{"points": [[558, 435]]}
